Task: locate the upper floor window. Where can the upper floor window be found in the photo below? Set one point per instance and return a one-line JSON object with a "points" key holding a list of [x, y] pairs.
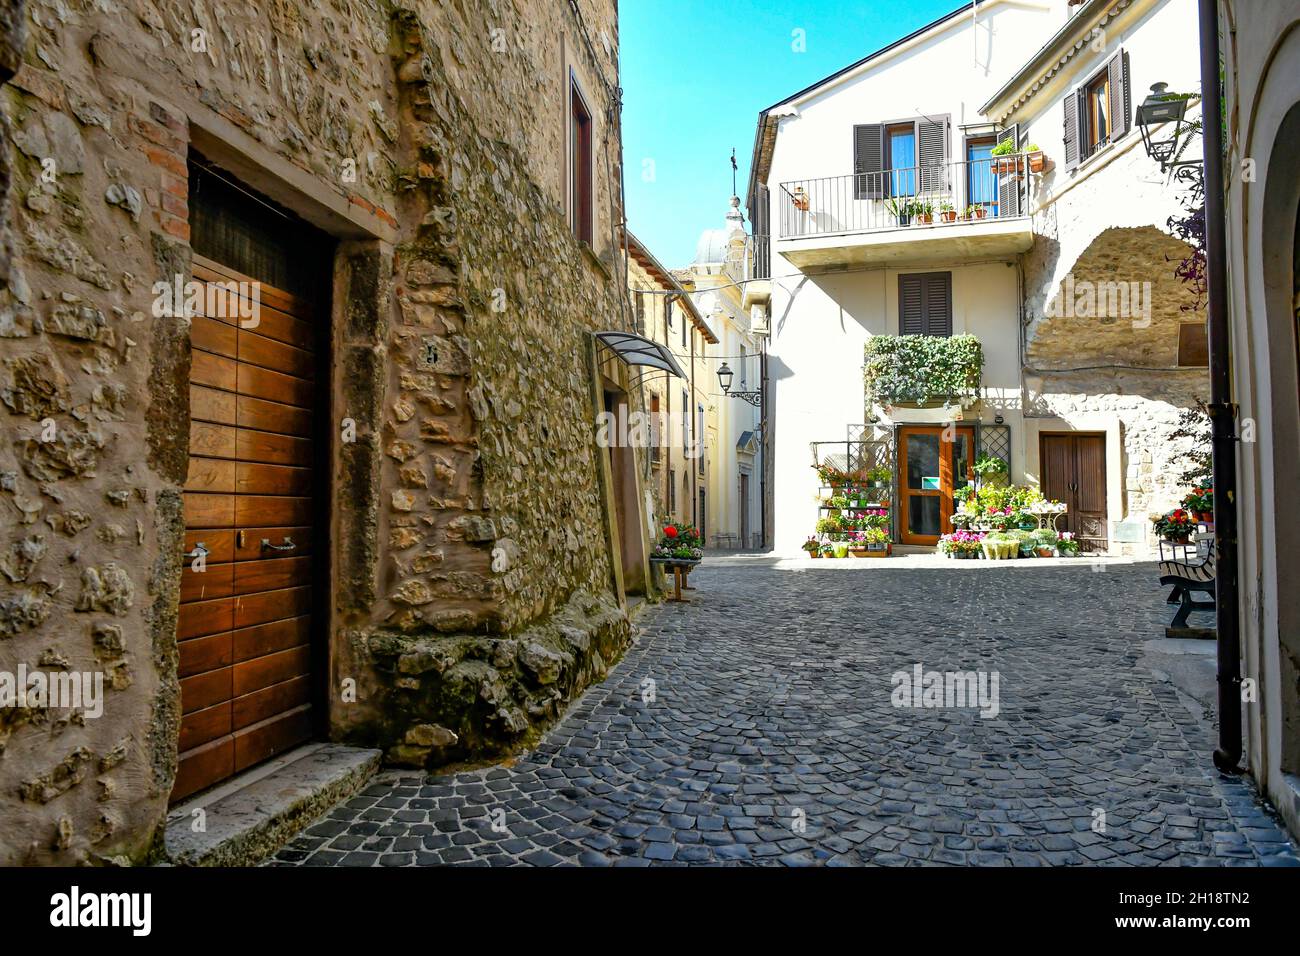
{"points": [[925, 303], [581, 204], [899, 159], [1099, 111]]}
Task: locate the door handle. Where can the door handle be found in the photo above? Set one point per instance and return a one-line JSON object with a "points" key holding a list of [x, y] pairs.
{"points": [[287, 546]]}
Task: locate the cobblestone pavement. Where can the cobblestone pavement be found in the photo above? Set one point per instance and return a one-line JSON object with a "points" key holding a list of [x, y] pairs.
{"points": [[770, 738]]}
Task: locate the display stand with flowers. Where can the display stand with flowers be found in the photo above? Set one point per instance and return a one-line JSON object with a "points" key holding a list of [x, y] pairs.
{"points": [[853, 512], [680, 550], [998, 521]]}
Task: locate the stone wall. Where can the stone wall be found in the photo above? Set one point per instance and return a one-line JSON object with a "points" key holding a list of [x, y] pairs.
{"points": [[1111, 227], [473, 583]]}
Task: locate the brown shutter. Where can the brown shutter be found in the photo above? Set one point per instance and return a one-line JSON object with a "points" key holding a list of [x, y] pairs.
{"points": [[1072, 150], [1009, 183], [938, 303], [868, 161], [911, 305], [1121, 104], [932, 154]]}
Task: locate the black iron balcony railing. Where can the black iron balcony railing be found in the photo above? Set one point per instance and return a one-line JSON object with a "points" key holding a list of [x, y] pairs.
{"points": [[936, 195]]}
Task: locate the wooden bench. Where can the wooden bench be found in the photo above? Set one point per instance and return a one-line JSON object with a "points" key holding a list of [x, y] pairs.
{"points": [[1189, 577]]}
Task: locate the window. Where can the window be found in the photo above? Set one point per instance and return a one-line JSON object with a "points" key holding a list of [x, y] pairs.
{"points": [[683, 331], [900, 159], [668, 315], [1193, 345], [672, 491], [699, 441], [686, 422], [1097, 124], [1098, 112], [925, 303], [981, 180], [581, 203], [639, 307], [656, 453]]}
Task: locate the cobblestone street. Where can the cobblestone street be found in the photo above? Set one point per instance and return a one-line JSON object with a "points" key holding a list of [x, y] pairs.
{"points": [[755, 726]]}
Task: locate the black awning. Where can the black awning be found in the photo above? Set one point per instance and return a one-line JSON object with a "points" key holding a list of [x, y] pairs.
{"points": [[639, 350]]}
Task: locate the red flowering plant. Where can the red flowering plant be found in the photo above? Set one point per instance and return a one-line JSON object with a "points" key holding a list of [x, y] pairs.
{"points": [[680, 541], [1200, 500], [1175, 525]]}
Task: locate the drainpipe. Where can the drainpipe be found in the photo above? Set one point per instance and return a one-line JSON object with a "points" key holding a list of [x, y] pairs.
{"points": [[1222, 412]]}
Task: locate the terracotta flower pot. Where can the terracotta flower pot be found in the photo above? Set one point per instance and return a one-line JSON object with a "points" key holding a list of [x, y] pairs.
{"points": [[950, 216]]}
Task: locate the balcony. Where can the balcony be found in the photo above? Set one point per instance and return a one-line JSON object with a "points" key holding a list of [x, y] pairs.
{"points": [[943, 212]]}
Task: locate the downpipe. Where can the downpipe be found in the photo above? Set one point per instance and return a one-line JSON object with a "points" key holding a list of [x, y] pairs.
{"points": [[1227, 758]]}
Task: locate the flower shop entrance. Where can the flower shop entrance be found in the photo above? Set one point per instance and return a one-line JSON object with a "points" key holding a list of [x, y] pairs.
{"points": [[933, 461]]}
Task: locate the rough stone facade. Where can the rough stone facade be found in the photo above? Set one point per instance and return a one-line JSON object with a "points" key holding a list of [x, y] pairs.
{"points": [[1123, 366], [475, 588]]}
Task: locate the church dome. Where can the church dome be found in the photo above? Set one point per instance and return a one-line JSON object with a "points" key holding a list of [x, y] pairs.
{"points": [[715, 245]]}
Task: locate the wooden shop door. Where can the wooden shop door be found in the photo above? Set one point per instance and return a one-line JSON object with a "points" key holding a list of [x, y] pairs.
{"points": [[1074, 472], [253, 502], [933, 461]]}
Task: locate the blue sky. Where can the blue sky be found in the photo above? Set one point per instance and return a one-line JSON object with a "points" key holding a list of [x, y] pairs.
{"points": [[695, 74]]}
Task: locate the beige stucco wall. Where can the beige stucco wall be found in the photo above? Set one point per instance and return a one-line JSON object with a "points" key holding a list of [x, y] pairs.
{"points": [[1261, 48]]}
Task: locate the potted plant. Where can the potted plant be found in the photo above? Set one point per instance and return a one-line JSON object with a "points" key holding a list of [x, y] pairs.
{"points": [[976, 211], [1045, 543], [800, 199], [947, 212], [924, 212], [1024, 542], [827, 550], [1067, 545], [858, 544], [1200, 502], [1174, 526], [812, 547], [901, 210], [841, 549], [1037, 161], [1005, 160], [877, 540], [990, 469], [879, 477]]}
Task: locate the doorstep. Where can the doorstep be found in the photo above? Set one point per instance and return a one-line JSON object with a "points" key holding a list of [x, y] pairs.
{"points": [[252, 815]]}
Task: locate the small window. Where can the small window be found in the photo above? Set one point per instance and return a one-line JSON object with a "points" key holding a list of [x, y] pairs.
{"points": [[1097, 122], [686, 422], [656, 452], [581, 203], [925, 303], [1193, 345], [672, 491]]}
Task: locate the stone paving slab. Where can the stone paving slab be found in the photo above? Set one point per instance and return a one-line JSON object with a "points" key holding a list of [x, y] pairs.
{"points": [[755, 726]]}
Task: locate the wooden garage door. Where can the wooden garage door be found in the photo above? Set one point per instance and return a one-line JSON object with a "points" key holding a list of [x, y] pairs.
{"points": [[245, 624]]}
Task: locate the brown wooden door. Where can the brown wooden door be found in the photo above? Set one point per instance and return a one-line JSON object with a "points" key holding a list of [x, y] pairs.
{"points": [[932, 462], [245, 624], [1074, 472]]}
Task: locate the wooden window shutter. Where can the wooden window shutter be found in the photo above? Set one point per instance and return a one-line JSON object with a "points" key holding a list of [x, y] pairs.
{"points": [[1121, 100], [868, 161], [911, 305], [938, 303], [1072, 143], [1009, 183], [932, 153]]}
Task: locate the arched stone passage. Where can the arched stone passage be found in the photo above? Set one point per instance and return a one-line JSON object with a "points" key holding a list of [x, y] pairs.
{"points": [[1120, 303]]}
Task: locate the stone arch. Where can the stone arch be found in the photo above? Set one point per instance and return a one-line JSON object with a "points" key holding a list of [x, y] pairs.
{"points": [[1119, 303]]}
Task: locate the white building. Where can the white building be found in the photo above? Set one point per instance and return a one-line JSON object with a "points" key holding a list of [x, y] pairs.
{"points": [[920, 121], [716, 282], [1261, 52]]}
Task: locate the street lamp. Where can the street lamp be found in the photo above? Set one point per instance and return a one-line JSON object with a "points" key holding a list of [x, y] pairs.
{"points": [[725, 375], [1156, 110]]}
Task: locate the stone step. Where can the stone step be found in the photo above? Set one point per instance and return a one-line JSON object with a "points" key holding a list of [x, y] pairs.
{"points": [[251, 816]]}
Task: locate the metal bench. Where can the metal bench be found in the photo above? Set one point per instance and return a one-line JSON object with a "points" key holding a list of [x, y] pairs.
{"points": [[1189, 577]]}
